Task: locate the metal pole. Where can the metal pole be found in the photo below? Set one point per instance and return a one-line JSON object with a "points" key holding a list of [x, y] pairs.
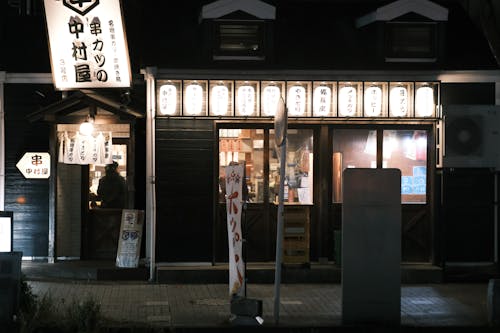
{"points": [[150, 171], [2, 146], [279, 233]]}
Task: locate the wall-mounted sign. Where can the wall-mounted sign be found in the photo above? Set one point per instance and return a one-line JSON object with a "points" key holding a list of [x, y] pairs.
{"points": [[296, 101], [220, 100], [168, 99], [424, 102], [34, 165], [373, 102], [246, 100], [193, 102], [347, 101], [88, 47], [271, 97], [398, 104], [304, 99], [322, 101]]}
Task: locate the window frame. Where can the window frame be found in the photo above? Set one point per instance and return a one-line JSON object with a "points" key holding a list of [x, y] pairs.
{"points": [[390, 28], [220, 54]]}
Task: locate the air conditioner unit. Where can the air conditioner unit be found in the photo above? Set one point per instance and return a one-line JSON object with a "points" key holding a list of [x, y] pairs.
{"points": [[471, 136]]}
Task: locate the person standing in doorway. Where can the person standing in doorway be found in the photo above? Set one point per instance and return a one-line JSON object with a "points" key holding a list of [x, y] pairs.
{"points": [[112, 188]]}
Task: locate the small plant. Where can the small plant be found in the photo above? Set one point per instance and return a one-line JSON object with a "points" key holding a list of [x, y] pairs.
{"points": [[34, 312], [84, 316]]}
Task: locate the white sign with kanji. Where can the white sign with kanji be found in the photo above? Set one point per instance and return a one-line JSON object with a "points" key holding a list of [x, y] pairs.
{"points": [[88, 45], [35, 165], [234, 186]]}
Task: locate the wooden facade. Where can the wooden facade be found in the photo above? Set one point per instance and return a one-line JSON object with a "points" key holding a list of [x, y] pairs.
{"points": [[312, 39]]}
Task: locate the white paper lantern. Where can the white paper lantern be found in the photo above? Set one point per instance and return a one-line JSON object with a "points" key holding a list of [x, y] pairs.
{"points": [[322, 101], [399, 101], [220, 100], [424, 102], [373, 102], [296, 101], [246, 101], [271, 97], [194, 100], [347, 101], [168, 99]]}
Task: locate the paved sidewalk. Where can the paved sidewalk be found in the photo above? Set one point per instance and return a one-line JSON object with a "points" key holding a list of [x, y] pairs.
{"points": [[176, 306]]}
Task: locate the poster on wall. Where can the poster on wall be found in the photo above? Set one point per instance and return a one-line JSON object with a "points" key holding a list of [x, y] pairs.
{"points": [[88, 44], [129, 244], [234, 181]]}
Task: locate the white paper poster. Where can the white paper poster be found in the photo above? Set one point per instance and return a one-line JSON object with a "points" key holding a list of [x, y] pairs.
{"points": [[129, 244], [234, 181], [88, 46]]}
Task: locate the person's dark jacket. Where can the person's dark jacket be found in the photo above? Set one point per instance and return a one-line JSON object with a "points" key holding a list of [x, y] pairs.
{"points": [[112, 190]]}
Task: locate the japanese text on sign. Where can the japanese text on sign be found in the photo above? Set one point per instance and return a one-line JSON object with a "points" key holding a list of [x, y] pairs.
{"points": [[34, 165], [87, 44]]}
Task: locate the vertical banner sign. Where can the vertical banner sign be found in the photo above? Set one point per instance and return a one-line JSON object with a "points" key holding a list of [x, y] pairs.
{"points": [[234, 181], [88, 45], [129, 244]]}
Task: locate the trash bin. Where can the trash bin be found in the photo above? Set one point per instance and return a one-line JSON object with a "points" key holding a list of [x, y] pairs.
{"points": [[337, 247], [10, 285]]}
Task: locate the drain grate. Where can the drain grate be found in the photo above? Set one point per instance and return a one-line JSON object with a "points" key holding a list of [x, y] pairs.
{"points": [[211, 301]]}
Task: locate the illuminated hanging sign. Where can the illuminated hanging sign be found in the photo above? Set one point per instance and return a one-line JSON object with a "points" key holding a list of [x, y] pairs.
{"points": [[331, 99], [296, 101], [246, 101], [347, 101], [373, 102], [168, 99], [322, 98], [220, 100], [193, 100], [424, 102], [398, 103], [35, 165], [271, 97], [88, 46]]}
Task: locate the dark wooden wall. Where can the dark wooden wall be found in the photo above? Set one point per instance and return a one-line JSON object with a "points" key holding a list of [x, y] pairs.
{"points": [[184, 189], [27, 198], [468, 208]]}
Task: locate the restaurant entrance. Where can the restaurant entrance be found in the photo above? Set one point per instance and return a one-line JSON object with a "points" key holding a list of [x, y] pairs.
{"points": [[317, 155], [255, 148]]}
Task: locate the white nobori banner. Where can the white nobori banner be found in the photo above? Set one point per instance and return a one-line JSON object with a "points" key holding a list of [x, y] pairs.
{"points": [[234, 181]]}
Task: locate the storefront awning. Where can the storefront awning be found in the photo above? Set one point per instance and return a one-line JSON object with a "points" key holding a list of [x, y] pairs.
{"points": [[83, 99]]}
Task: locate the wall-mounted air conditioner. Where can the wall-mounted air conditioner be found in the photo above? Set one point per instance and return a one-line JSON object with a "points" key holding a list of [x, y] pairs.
{"points": [[471, 136]]}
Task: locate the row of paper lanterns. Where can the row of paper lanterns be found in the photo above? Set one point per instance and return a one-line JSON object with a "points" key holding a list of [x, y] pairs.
{"points": [[329, 99]]}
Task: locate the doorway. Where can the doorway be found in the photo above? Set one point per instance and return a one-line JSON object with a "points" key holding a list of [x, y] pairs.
{"points": [[84, 230], [255, 148]]}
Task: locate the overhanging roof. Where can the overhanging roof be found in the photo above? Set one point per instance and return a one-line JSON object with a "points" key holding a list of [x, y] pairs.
{"points": [[221, 8], [399, 8], [79, 100]]}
